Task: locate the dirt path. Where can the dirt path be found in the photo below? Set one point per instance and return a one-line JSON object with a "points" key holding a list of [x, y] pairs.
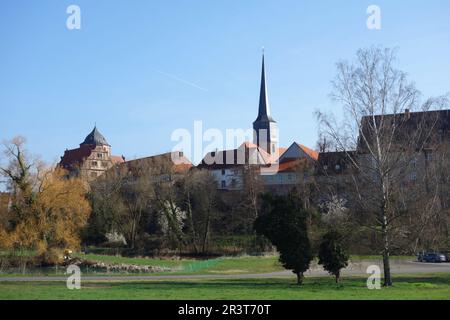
{"points": [[355, 269]]}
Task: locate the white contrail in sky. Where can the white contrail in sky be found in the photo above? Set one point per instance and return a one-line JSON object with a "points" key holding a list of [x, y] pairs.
{"points": [[181, 80]]}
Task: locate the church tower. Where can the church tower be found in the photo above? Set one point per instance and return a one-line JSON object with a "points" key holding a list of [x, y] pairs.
{"points": [[265, 128]]}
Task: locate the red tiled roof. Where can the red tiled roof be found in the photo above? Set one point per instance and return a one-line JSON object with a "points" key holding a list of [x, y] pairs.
{"points": [[76, 156], [179, 163], [117, 159], [281, 150], [290, 165], [183, 167], [273, 158], [312, 153]]}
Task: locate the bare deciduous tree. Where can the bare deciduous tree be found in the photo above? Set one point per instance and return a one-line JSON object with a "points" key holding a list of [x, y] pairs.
{"points": [[378, 102], [200, 197]]}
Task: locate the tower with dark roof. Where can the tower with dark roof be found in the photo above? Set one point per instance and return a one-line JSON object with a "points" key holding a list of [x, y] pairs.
{"points": [[265, 128], [91, 159], [95, 138]]}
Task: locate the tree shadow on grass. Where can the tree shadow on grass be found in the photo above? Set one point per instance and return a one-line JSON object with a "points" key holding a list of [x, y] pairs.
{"points": [[257, 284], [312, 284]]}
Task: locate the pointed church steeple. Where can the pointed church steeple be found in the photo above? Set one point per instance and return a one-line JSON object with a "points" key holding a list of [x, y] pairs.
{"points": [[264, 108], [265, 127]]}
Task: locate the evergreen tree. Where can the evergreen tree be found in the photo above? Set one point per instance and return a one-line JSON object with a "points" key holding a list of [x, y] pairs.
{"points": [[332, 254], [283, 222]]}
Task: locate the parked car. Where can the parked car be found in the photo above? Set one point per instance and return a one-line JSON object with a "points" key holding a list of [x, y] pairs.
{"points": [[435, 257], [447, 255]]}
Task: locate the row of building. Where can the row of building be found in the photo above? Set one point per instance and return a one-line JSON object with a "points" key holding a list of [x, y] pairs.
{"points": [[279, 165], [94, 157]]}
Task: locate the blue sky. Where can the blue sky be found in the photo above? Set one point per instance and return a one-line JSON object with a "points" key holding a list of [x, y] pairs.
{"points": [[122, 70]]}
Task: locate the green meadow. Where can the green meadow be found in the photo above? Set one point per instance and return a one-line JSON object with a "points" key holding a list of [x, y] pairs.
{"points": [[410, 287]]}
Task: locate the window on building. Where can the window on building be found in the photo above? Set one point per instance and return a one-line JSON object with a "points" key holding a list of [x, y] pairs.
{"points": [[337, 167], [223, 172], [100, 155], [290, 176], [223, 184], [94, 163], [429, 156], [413, 176]]}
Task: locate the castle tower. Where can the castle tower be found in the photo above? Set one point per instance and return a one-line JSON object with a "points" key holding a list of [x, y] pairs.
{"points": [[265, 127], [91, 159], [98, 141]]}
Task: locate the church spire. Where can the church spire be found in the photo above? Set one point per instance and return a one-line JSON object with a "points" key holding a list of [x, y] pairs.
{"points": [[265, 129], [264, 108]]}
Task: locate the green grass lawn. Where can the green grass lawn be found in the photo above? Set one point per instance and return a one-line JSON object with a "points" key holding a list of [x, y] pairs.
{"points": [[136, 261], [225, 265], [172, 262], [435, 286]]}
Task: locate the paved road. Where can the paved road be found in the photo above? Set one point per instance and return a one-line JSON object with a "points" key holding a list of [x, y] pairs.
{"points": [[355, 269]]}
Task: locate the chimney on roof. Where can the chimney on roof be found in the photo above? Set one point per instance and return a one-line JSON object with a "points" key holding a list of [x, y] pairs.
{"points": [[407, 114]]}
